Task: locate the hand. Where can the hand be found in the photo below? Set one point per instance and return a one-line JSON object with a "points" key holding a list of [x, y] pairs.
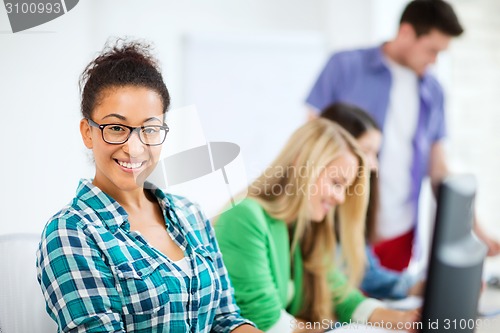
{"points": [[411, 318], [245, 328], [417, 289], [492, 244], [396, 320]]}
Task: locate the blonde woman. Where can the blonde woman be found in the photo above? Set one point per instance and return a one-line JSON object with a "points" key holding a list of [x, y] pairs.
{"points": [[278, 244]]}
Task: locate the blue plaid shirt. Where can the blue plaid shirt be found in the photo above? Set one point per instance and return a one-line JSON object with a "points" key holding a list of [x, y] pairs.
{"points": [[99, 276]]}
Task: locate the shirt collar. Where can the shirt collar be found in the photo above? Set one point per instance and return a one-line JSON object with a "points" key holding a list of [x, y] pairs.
{"points": [[108, 209], [377, 61]]}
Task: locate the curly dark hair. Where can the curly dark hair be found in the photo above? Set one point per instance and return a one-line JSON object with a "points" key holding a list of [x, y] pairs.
{"points": [[121, 63]]}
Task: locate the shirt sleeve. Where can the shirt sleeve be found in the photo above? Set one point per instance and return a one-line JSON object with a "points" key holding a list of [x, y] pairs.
{"points": [[380, 282], [365, 309], [241, 233], [438, 123], [324, 90], [285, 324], [77, 284], [346, 299], [441, 129], [227, 317]]}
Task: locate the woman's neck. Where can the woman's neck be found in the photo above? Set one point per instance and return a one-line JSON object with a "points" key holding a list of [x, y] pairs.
{"points": [[131, 200], [134, 200]]}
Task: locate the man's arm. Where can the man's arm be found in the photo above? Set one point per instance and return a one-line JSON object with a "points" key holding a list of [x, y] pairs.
{"points": [[492, 244], [438, 170]]}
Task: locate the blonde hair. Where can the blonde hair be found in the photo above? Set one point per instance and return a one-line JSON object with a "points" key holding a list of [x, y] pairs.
{"points": [[283, 191]]}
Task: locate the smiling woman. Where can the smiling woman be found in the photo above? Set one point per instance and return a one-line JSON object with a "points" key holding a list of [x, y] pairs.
{"points": [[278, 244], [124, 255]]}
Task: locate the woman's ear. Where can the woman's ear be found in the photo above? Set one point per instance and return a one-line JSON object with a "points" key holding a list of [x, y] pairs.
{"points": [[86, 133]]}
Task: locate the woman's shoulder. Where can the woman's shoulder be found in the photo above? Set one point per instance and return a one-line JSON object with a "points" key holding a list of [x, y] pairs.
{"points": [[72, 216], [246, 207], [87, 210], [177, 203], [187, 208], [89, 207], [245, 216], [181, 203], [189, 216]]}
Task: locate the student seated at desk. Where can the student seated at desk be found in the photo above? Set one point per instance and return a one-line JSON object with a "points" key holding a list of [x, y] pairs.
{"points": [[378, 281], [278, 244], [124, 256]]}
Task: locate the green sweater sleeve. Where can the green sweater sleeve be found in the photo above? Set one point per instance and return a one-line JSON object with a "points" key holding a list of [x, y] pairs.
{"points": [[243, 237], [346, 299]]}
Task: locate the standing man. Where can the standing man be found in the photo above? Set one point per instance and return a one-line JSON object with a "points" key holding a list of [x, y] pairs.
{"points": [[392, 83]]}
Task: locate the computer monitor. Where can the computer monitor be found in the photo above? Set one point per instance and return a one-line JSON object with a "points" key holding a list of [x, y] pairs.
{"points": [[456, 261]]}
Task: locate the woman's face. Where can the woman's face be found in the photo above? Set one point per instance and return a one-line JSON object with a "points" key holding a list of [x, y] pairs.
{"points": [[123, 167], [370, 143], [331, 185]]}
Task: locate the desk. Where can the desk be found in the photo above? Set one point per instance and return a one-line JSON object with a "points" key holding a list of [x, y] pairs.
{"points": [[490, 299]]}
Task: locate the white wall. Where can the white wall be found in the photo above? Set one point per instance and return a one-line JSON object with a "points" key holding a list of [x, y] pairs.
{"points": [[473, 109], [167, 22], [42, 154]]}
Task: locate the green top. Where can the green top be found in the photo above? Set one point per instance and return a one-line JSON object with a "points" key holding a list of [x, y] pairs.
{"points": [[256, 252]]}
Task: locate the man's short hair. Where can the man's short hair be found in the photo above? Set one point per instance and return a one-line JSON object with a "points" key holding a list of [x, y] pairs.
{"points": [[425, 15]]}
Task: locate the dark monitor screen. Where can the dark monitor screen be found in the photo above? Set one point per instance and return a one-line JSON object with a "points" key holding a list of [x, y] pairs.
{"points": [[456, 261]]}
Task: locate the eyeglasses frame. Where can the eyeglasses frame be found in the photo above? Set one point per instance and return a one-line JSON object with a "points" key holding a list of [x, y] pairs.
{"points": [[132, 129]]}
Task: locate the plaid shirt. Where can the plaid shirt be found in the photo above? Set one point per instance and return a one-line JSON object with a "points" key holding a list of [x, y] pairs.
{"points": [[99, 276]]}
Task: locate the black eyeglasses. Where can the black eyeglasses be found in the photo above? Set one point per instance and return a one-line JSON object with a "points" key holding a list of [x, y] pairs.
{"points": [[116, 134]]}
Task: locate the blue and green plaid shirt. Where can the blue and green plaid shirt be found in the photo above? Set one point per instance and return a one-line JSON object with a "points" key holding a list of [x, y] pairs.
{"points": [[99, 276]]}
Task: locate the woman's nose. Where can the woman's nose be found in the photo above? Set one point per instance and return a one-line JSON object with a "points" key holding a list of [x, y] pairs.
{"points": [[134, 145]]}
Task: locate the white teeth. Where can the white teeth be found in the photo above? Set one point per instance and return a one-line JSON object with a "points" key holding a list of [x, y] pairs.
{"points": [[130, 165]]}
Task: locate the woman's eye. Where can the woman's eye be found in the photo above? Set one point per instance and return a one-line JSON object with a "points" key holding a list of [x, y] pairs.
{"points": [[150, 130], [116, 128]]}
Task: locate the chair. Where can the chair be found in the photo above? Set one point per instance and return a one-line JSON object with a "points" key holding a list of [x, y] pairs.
{"points": [[22, 306]]}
